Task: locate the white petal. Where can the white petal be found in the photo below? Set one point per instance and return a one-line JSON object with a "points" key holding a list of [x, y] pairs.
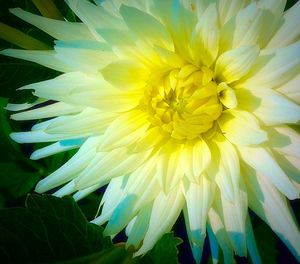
{"points": [[198, 201], [71, 168], [228, 175], [84, 55], [272, 207], [285, 140], [89, 121], [140, 227], [126, 74], [241, 128], [61, 30], [205, 38], [45, 57], [169, 173], [47, 111], [291, 89], [165, 211], [89, 15], [273, 68], [268, 105], [124, 130], [287, 32], [140, 22], [114, 193], [218, 229], [266, 166], [228, 8], [57, 147], [236, 63]]}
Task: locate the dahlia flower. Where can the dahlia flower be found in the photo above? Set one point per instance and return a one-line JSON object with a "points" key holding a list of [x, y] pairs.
{"points": [[176, 105]]}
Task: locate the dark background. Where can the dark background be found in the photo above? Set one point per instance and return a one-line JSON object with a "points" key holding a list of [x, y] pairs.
{"points": [[18, 174]]}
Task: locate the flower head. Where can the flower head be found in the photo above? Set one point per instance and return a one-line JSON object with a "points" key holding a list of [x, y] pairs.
{"points": [[176, 105]]}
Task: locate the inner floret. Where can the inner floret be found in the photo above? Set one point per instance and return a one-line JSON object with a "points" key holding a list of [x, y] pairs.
{"points": [[183, 102]]}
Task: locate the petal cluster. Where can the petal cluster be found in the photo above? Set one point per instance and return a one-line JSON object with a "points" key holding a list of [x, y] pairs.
{"points": [[176, 105]]}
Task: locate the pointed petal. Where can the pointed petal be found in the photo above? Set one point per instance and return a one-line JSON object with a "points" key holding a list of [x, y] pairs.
{"points": [[287, 32], [228, 175], [165, 211], [268, 105], [267, 167], [272, 207], [273, 68], [46, 58], [236, 63], [57, 147], [198, 201], [241, 128], [205, 38], [61, 30], [52, 110]]}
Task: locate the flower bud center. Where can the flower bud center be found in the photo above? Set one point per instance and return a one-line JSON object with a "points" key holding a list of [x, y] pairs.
{"points": [[183, 102]]}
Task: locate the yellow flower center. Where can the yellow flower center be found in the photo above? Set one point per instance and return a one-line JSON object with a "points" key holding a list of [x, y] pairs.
{"points": [[183, 102]]}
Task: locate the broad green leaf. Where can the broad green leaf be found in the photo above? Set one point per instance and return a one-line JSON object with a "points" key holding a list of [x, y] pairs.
{"points": [[165, 251], [48, 230]]}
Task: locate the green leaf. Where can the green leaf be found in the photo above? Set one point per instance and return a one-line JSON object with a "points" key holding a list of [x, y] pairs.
{"points": [[49, 229], [15, 180], [165, 251]]}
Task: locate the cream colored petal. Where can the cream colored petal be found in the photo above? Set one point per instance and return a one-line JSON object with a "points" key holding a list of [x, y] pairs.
{"points": [[205, 37], [89, 15], [201, 158], [228, 175], [126, 74], [227, 95], [169, 173], [234, 64], [266, 166], [57, 147], [234, 214], [89, 120], [112, 196], [253, 25], [46, 58], [84, 55], [141, 189], [107, 165], [219, 231], [199, 198], [269, 106], [81, 89], [273, 68], [285, 140], [288, 32], [61, 30], [241, 128], [39, 136], [180, 29], [71, 168], [272, 207], [140, 22], [229, 8], [165, 211], [140, 227], [291, 89], [85, 192], [52, 110], [125, 130]]}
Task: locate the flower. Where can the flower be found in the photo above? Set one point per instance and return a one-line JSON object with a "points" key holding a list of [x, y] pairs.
{"points": [[176, 105]]}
